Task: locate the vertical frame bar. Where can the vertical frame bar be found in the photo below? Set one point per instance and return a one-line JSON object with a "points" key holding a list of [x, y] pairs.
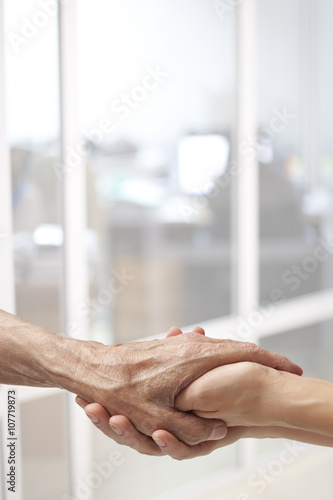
{"points": [[309, 23], [246, 204], [2, 447], [73, 191], [72, 178], [246, 192], [7, 283], [7, 289]]}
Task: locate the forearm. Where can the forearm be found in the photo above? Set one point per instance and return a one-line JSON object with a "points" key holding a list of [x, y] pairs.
{"points": [[33, 356], [287, 433], [302, 403]]}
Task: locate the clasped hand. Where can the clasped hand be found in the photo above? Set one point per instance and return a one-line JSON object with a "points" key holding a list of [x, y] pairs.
{"points": [[231, 393]]}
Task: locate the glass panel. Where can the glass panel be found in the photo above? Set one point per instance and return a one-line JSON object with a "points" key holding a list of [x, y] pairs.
{"points": [[33, 130], [294, 146], [156, 110], [156, 100], [310, 347], [44, 448]]}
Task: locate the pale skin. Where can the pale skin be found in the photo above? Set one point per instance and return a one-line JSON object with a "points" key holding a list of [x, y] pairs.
{"points": [[253, 400], [140, 379], [252, 395]]}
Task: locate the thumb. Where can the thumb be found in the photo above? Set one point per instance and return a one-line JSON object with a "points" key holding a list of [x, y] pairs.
{"points": [[184, 400], [193, 430]]}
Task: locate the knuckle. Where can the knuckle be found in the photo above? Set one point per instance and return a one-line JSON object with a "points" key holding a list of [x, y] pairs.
{"points": [[199, 432], [201, 397], [252, 348], [192, 440], [191, 335], [188, 436], [190, 349]]}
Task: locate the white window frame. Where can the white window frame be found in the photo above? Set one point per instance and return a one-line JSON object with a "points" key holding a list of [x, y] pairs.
{"points": [[7, 290], [75, 267], [295, 313]]}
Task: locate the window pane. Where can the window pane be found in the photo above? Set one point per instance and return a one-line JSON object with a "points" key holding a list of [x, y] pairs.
{"points": [[156, 108], [310, 347], [156, 100], [295, 147], [33, 128], [44, 448]]}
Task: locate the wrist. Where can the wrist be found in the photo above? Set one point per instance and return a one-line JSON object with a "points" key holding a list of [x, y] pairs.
{"points": [[31, 355], [257, 402], [285, 400], [67, 366], [306, 404], [263, 432], [276, 397]]}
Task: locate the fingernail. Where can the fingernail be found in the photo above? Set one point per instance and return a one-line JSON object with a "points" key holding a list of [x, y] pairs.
{"points": [[159, 442], [94, 419], [117, 430], [79, 401], [218, 432]]}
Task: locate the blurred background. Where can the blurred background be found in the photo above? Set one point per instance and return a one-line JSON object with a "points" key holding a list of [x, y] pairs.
{"points": [[157, 92]]}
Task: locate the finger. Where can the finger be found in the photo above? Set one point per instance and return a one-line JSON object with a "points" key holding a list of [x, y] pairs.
{"points": [[81, 402], [273, 360], [207, 414], [171, 446], [94, 411], [232, 351], [184, 400], [189, 428], [97, 414], [120, 429], [198, 329], [133, 438], [180, 451], [174, 331]]}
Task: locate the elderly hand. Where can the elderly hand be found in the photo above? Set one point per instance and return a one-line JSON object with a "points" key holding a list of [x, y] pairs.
{"points": [[120, 429]]}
